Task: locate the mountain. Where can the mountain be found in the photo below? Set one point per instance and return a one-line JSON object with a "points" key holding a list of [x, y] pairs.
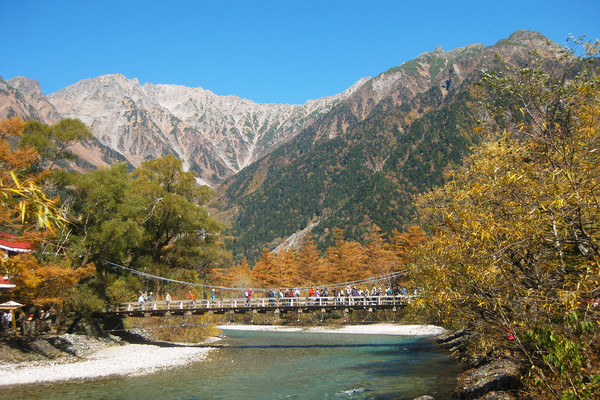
{"points": [[216, 136], [347, 161], [363, 162]]}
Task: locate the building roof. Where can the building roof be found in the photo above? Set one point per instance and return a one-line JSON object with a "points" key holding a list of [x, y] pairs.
{"points": [[9, 242]]}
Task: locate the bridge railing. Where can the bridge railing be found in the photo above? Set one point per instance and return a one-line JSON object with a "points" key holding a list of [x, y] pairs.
{"points": [[260, 302]]}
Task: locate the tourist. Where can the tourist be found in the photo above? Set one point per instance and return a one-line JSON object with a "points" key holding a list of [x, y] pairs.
{"points": [[7, 320], [336, 295], [248, 295], [141, 298]]}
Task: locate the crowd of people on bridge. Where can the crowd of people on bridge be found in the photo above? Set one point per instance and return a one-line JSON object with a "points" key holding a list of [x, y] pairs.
{"points": [[279, 294], [348, 291], [336, 293]]}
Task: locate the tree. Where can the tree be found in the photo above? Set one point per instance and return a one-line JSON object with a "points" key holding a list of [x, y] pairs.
{"points": [[237, 276], [24, 207], [277, 270], [152, 220], [516, 231], [403, 243], [308, 261], [380, 259], [178, 230], [106, 216], [45, 284], [346, 261], [52, 142]]}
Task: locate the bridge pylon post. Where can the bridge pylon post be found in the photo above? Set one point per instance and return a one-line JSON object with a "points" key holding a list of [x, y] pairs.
{"points": [[346, 312]]}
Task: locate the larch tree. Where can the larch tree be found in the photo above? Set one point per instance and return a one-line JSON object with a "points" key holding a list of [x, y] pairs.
{"points": [[380, 260], [308, 262], [265, 271], [237, 276], [345, 261]]}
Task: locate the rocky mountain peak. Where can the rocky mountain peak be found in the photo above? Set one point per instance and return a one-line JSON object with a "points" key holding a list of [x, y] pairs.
{"points": [[529, 38], [26, 86], [23, 97]]}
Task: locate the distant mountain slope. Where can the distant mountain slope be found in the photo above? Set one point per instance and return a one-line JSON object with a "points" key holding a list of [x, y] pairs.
{"points": [[363, 162], [216, 136]]}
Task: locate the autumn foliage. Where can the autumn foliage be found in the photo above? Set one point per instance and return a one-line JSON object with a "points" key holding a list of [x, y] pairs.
{"points": [[28, 213], [45, 284], [516, 231], [344, 262]]}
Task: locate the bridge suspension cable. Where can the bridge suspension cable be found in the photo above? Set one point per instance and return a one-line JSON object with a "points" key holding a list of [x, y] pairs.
{"points": [[342, 284]]}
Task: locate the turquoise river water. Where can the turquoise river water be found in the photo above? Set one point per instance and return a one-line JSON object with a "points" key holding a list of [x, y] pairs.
{"points": [[282, 365]]}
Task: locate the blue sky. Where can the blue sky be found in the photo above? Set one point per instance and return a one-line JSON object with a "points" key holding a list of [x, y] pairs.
{"points": [[268, 51]]}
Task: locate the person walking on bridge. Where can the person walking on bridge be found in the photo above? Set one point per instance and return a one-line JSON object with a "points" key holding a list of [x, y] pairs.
{"points": [[248, 295]]}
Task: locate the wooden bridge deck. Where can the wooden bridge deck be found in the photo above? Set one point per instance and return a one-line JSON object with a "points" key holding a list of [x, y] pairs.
{"points": [[256, 305]]}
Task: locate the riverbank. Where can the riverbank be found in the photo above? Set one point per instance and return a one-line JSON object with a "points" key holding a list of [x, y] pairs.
{"points": [[370, 329], [77, 357], [89, 358]]}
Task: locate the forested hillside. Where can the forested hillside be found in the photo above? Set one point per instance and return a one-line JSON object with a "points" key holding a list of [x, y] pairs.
{"points": [[369, 171]]}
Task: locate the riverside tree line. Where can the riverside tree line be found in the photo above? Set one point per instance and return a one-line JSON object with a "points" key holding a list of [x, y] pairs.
{"points": [[512, 240]]}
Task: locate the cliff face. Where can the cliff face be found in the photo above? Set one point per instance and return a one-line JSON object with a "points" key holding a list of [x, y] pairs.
{"points": [[23, 97]]}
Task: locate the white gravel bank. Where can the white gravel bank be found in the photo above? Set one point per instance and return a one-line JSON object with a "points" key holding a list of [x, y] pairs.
{"points": [[371, 329], [131, 359]]}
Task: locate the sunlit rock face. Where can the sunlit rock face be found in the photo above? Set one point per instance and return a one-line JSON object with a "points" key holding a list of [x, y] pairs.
{"points": [[216, 136]]}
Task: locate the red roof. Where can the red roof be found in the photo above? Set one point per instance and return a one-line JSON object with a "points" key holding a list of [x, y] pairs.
{"points": [[8, 242], [5, 284]]}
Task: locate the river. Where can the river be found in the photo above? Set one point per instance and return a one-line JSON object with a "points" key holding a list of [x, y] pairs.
{"points": [[282, 365]]}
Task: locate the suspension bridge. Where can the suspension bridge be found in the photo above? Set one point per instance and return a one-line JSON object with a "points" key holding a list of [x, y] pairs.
{"points": [[343, 303], [258, 305]]}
